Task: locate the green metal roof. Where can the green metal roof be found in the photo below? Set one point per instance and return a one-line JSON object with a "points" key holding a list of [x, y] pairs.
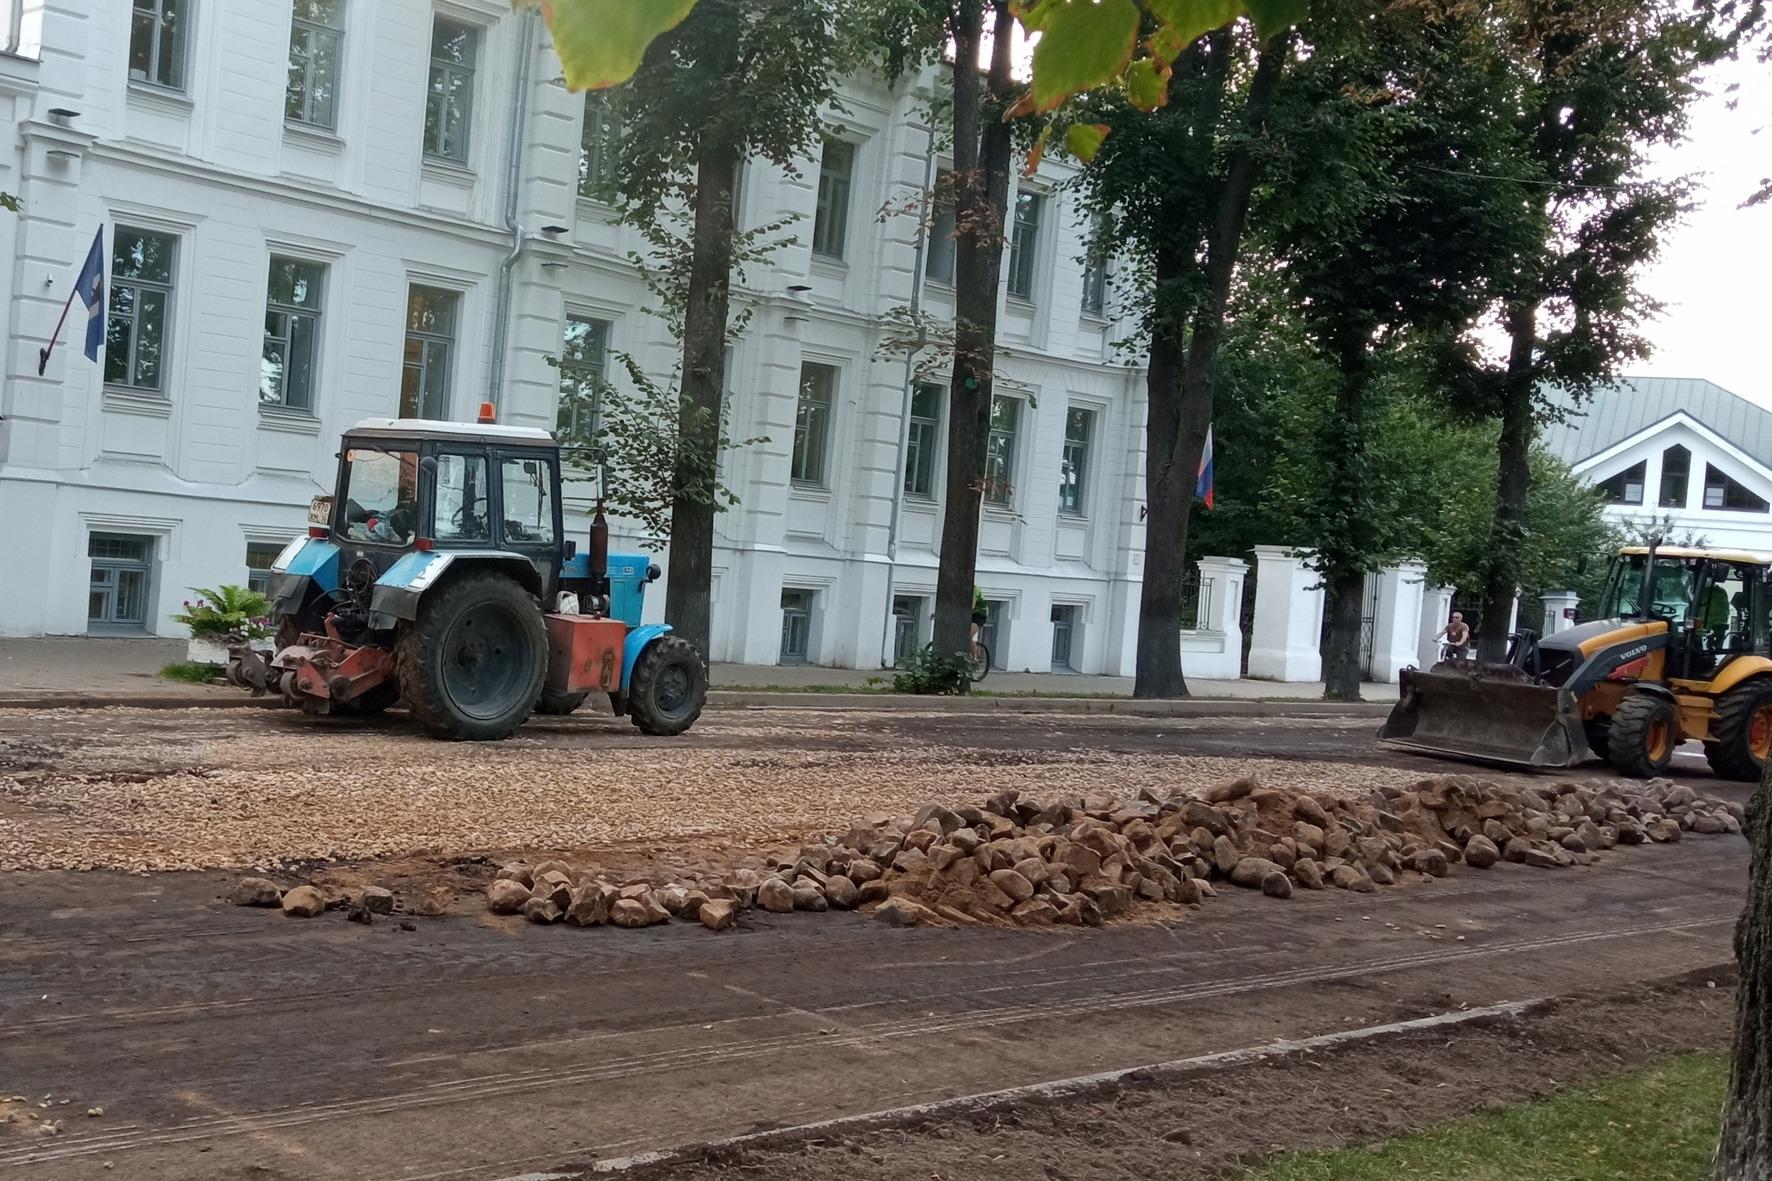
{"points": [[1633, 404]]}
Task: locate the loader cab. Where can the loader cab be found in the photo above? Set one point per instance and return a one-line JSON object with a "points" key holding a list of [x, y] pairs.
{"points": [[409, 485], [1717, 605]]}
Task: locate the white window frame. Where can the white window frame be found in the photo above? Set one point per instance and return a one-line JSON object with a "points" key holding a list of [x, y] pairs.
{"points": [[181, 47], [932, 448], [450, 340], [316, 32], [1024, 244], [940, 248], [809, 462], [594, 369], [169, 305], [1079, 479], [315, 313], [444, 68], [598, 135], [1006, 498], [836, 194]]}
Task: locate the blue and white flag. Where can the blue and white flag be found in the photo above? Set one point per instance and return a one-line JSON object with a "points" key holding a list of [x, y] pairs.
{"points": [[91, 288]]}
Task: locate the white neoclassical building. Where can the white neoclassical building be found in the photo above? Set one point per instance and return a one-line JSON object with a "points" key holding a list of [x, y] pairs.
{"points": [[340, 209], [1683, 451]]}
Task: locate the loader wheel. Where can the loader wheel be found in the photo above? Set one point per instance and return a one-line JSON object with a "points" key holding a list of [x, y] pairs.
{"points": [[1741, 731], [1643, 735], [472, 664], [668, 688], [559, 704]]}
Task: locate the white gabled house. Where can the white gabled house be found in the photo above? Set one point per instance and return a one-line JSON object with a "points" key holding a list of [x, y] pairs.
{"points": [[1683, 450]]}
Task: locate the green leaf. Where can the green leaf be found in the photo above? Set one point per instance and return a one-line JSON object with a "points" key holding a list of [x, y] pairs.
{"points": [[601, 42], [1082, 46], [1147, 84], [1276, 16], [1083, 140], [1185, 20]]}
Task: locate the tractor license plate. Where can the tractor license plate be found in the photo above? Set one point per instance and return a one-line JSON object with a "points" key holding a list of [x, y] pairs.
{"points": [[320, 510]]}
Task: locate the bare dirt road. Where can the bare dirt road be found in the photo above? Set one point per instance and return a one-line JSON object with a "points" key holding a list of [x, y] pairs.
{"points": [[224, 1043]]}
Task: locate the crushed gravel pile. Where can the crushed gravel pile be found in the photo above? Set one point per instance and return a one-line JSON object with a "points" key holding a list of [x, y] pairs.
{"points": [[211, 790]]}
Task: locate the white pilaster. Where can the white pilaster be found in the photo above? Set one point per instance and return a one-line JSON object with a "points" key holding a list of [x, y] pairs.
{"points": [[1436, 609], [1288, 617], [1559, 611], [1214, 650], [1397, 625]]}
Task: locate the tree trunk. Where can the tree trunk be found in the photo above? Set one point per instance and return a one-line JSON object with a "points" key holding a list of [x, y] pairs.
{"points": [[1169, 497], [1745, 1150], [1345, 555], [1181, 403], [1341, 650], [1507, 535], [981, 198], [688, 590]]}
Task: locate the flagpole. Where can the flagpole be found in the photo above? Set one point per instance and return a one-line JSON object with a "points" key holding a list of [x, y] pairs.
{"points": [[43, 353]]}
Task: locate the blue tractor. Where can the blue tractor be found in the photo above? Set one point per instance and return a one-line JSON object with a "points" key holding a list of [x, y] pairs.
{"points": [[439, 576]]}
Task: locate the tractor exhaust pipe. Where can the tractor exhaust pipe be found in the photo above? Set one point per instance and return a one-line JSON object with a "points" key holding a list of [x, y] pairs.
{"points": [[599, 559]]}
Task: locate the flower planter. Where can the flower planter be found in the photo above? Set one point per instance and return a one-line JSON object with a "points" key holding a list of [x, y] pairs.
{"points": [[207, 650]]}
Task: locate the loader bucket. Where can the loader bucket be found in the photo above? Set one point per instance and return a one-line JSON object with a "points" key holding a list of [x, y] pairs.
{"points": [[1464, 715]]}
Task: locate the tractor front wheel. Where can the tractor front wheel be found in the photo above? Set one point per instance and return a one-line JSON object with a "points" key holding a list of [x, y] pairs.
{"points": [[472, 664], [669, 686], [1741, 731], [1643, 735], [558, 705]]}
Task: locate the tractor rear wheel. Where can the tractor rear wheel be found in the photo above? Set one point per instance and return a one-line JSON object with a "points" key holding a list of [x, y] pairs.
{"points": [[1643, 736], [1741, 731], [668, 688], [472, 664], [559, 704]]}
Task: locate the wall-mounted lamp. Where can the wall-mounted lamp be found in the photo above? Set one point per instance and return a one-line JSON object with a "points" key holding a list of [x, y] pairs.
{"points": [[553, 230], [63, 115]]}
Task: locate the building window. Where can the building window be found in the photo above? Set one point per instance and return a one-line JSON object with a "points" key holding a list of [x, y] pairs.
{"points": [[157, 42], [430, 339], [999, 458], [1079, 425], [922, 441], [990, 631], [259, 558], [812, 423], [449, 104], [1627, 486], [1064, 627], [1095, 268], [1676, 469], [938, 258], [907, 624], [1721, 492], [137, 329], [796, 626], [584, 369], [316, 35], [1024, 244], [830, 224], [286, 375], [117, 599], [598, 144]]}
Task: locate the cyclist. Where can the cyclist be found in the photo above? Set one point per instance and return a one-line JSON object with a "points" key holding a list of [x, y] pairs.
{"points": [[1457, 634], [979, 615]]}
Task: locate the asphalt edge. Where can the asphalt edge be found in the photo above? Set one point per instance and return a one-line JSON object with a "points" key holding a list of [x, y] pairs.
{"points": [[721, 699]]}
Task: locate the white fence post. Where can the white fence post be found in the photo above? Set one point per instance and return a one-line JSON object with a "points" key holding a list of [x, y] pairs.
{"points": [[1396, 626], [1436, 609], [1214, 649], [1559, 611], [1288, 628]]}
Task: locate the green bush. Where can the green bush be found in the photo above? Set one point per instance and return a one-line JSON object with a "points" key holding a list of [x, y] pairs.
{"points": [[928, 671]]}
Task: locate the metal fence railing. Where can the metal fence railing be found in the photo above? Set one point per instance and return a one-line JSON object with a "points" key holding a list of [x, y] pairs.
{"points": [[1196, 601]]}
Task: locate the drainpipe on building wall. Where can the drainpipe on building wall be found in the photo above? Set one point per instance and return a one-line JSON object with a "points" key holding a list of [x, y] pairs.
{"points": [[887, 656], [513, 176]]}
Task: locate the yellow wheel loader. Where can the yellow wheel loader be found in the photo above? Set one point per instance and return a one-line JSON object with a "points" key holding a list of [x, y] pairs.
{"points": [[1679, 652]]}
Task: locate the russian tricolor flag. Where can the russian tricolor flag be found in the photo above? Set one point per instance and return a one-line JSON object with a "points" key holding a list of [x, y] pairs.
{"points": [[1203, 480]]}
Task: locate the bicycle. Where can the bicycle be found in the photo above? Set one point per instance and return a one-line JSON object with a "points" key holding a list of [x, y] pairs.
{"points": [[981, 659]]}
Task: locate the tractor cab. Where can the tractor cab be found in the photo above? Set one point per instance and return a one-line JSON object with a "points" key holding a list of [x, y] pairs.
{"points": [[1717, 604]]}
